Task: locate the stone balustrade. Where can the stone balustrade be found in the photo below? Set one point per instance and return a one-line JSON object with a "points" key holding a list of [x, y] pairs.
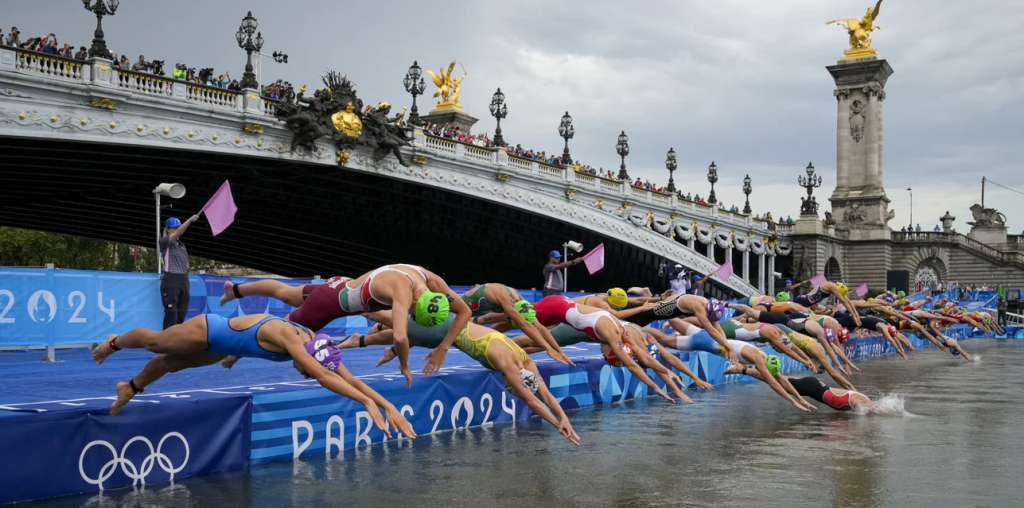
{"points": [[50, 65]]}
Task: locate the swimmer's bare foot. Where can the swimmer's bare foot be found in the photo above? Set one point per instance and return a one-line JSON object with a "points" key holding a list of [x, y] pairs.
{"points": [[353, 341], [229, 361], [389, 354], [124, 394], [103, 350], [229, 292]]}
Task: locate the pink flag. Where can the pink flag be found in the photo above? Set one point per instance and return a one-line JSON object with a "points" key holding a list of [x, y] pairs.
{"points": [[725, 271], [818, 280], [220, 209], [594, 259], [861, 290]]}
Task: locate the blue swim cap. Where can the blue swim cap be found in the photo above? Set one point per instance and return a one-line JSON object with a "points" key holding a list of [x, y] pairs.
{"points": [[652, 349], [172, 222]]}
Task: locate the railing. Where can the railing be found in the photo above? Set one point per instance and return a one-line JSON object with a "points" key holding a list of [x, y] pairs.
{"points": [[550, 171], [585, 179], [211, 95], [270, 106], [143, 82], [51, 65], [477, 153], [441, 144], [957, 238], [923, 236], [519, 163], [784, 228], [663, 199], [612, 186], [639, 192]]}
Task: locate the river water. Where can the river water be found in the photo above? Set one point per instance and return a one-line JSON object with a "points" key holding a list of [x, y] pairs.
{"points": [[958, 441]]}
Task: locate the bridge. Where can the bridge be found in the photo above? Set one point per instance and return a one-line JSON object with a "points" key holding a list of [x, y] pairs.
{"points": [[85, 143]]}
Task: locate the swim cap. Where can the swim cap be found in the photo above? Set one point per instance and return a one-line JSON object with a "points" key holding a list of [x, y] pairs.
{"points": [[715, 309], [526, 309], [842, 288], [652, 349], [844, 335], [617, 298], [871, 299], [892, 330], [901, 294], [431, 309], [830, 335], [528, 379], [774, 364], [928, 299], [324, 351], [614, 360], [782, 296]]}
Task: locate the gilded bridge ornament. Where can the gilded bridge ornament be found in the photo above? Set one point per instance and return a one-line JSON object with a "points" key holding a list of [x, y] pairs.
{"points": [[447, 87], [347, 121], [104, 103], [860, 44]]}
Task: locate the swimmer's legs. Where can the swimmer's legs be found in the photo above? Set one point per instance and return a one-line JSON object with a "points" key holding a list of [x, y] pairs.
{"points": [[155, 369], [185, 338], [292, 295]]}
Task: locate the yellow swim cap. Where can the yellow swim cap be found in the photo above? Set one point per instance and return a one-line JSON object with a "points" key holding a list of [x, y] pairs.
{"points": [[617, 298], [842, 288]]}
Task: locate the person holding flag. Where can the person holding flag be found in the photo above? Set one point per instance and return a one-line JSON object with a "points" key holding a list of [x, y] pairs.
{"points": [[174, 285]]}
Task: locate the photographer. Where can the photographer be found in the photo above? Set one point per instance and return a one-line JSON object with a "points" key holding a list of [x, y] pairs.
{"points": [[141, 65], [179, 71]]}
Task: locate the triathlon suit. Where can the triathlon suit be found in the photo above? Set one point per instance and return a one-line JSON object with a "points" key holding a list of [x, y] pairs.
{"points": [[477, 348], [566, 335], [430, 337], [775, 306], [802, 342], [698, 342], [323, 303], [737, 346], [775, 318], [735, 330], [478, 302], [663, 310], [753, 301], [224, 340], [690, 328], [556, 309], [800, 325], [812, 298]]}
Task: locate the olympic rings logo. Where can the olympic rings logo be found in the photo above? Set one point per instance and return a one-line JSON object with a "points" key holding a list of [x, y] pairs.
{"points": [[137, 474]]}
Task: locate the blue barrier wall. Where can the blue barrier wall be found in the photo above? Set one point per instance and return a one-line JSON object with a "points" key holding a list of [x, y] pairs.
{"points": [[49, 307]]}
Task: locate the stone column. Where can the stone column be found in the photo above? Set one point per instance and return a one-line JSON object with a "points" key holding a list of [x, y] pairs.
{"points": [[710, 253], [728, 254], [760, 272], [881, 144], [771, 275], [872, 179], [746, 264], [842, 142]]}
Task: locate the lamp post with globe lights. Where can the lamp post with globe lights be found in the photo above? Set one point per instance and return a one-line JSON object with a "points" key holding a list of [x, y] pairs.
{"points": [[498, 110], [622, 148], [100, 8], [415, 85], [809, 205], [671, 165], [713, 178], [250, 45], [566, 130], [747, 189]]}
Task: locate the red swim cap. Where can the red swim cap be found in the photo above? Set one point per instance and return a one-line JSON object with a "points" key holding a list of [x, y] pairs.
{"points": [[844, 335], [892, 330], [614, 360]]}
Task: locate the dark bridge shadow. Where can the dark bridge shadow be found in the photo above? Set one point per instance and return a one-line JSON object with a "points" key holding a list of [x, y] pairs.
{"points": [[297, 219]]}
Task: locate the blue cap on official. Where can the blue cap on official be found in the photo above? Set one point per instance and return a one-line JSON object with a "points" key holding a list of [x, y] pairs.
{"points": [[172, 222], [555, 254]]}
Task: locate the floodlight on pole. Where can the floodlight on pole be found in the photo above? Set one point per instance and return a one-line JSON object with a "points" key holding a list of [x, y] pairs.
{"points": [[173, 191]]}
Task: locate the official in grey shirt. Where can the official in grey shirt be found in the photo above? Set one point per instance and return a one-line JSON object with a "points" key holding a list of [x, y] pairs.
{"points": [[554, 284], [174, 286]]}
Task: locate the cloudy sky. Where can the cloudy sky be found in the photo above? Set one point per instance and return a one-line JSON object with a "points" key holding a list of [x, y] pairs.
{"points": [[738, 82]]}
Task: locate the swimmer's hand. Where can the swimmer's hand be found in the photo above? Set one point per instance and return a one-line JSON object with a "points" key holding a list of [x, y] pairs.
{"points": [[398, 422], [810, 366], [565, 429], [730, 354], [703, 384], [661, 393], [434, 359], [229, 361], [799, 406], [560, 357], [378, 420], [854, 367]]}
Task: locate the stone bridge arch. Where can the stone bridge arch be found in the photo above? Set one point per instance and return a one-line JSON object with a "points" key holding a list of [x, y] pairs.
{"points": [[833, 270], [926, 258]]}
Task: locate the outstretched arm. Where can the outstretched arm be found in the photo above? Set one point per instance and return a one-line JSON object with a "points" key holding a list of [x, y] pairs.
{"points": [[674, 360]]}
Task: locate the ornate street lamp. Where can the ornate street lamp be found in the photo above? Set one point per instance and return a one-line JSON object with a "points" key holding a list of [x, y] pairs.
{"points": [[747, 189], [809, 205], [498, 110], [671, 165], [622, 148], [415, 85], [566, 130], [713, 178], [100, 8], [250, 45]]}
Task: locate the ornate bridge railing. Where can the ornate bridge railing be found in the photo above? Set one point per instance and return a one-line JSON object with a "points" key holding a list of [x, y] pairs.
{"points": [[1016, 258]]}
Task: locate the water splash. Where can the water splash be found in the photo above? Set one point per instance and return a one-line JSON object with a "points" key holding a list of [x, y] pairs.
{"points": [[891, 404], [976, 358]]}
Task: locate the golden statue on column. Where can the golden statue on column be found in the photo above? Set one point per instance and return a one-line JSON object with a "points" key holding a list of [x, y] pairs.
{"points": [[860, 44], [447, 87]]}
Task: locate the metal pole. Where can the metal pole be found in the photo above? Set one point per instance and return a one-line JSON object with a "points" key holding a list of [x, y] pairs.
{"points": [[159, 266], [983, 192], [911, 208], [565, 271]]}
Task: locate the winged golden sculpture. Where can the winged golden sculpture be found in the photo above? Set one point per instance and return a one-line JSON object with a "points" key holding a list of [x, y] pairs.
{"points": [[447, 86], [859, 29]]}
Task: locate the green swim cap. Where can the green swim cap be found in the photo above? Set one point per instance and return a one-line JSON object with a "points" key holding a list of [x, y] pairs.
{"points": [[782, 296], [901, 294], [774, 364], [431, 309], [526, 309]]}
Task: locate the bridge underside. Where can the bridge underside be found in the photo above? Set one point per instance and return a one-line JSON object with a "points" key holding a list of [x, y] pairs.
{"points": [[295, 219]]}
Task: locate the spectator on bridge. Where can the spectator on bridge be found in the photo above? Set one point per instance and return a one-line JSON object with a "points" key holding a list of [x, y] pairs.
{"points": [[179, 71], [82, 54], [554, 283], [67, 51], [678, 280], [13, 39], [789, 220], [174, 285], [234, 86], [903, 229], [141, 65], [937, 228], [1001, 307], [918, 228]]}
